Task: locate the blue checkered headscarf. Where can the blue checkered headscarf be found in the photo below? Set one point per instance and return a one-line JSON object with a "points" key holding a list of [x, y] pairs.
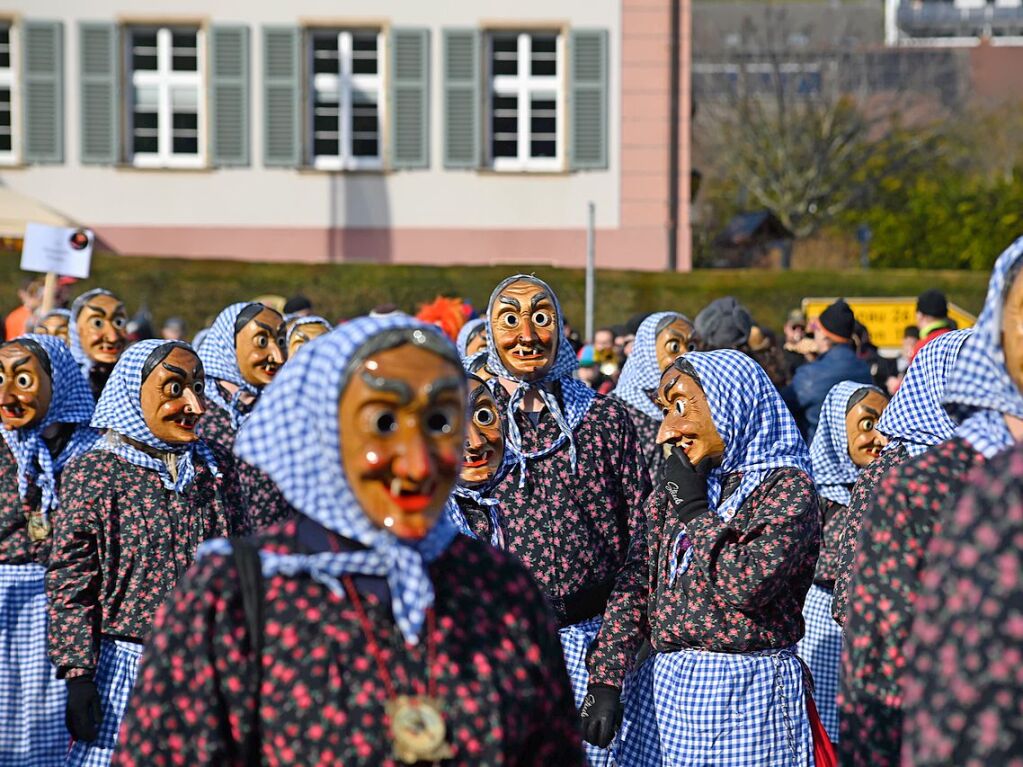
{"points": [[757, 428], [576, 395], [834, 472], [292, 435], [219, 357], [640, 374], [980, 391], [467, 330], [915, 417], [85, 362], [120, 411], [312, 319], [70, 403]]}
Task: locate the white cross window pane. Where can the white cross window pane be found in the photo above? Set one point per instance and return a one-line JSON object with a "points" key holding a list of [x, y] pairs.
{"points": [[325, 54], [364, 53], [8, 101], [544, 56], [184, 121], [365, 125], [504, 126], [6, 137], [504, 55], [146, 120], [543, 128], [184, 51], [143, 51]]}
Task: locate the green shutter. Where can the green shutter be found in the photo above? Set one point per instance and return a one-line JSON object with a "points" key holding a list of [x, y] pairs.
{"points": [[229, 95], [44, 91], [461, 98], [587, 106], [282, 97], [410, 98], [98, 92]]}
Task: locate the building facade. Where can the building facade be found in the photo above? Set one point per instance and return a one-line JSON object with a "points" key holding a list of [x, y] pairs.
{"points": [[375, 130]]}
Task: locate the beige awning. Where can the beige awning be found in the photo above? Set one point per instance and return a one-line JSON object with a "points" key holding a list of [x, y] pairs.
{"points": [[17, 210]]}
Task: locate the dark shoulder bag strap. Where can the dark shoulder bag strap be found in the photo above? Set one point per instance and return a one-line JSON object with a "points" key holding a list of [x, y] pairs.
{"points": [[250, 579]]}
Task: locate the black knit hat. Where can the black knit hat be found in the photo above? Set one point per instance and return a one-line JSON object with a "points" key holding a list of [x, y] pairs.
{"points": [[932, 303], [839, 320]]}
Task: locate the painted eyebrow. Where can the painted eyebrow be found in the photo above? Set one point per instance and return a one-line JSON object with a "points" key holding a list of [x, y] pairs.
{"points": [[174, 369], [388, 386], [537, 298], [444, 385], [17, 363], [511, 302], [476, 393], [669, 386], [267, 328], [871, 410]]}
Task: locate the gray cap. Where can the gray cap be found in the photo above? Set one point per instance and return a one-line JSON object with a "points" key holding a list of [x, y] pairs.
{"points": [[724, 324]]}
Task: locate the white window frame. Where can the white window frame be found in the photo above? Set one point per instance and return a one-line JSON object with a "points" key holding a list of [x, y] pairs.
{"points": [[164, 79], [525, 86], [9, 80], [344, 83]]}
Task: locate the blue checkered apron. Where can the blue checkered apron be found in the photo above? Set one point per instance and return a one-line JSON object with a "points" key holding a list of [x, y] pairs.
{"points": [[821, 648], [575, 641], [32, 731], [695, 708], [115, 677]]}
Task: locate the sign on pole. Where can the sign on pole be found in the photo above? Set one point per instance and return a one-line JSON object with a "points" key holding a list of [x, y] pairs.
{"points": [[66, 251]]}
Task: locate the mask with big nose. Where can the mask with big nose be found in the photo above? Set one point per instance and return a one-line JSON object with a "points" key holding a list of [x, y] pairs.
{"points": [[26, 387], [688, 423], [525, 328]]}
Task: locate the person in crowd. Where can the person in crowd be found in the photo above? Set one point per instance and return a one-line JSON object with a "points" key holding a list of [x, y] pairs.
{"points": [[573, 500], [798, 346], [98, 334], [881, 368], [297, 305], [302, 330], [242, 354], [722, 324], [625, 337], [449, 314], [962, 688], [54, 323], [983, 394], [910, 336], [472, 338], [913, 422], [445, 643], [846, 442], [592, 373], [661, 338], [45, 408], [932, 318], [18, 321], [733, 537], [133, 511], [173, 329], [836, 361], [485, 461], [763, 347]]}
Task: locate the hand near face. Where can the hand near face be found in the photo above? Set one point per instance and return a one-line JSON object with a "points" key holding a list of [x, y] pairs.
{"points": [[101, 327], [484, 437], [688, 423], [173, 397], [258, 348], [525, 327], [26, 391]]}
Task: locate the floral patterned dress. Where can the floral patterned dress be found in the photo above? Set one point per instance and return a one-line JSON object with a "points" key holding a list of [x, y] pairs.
{"points": [[884, 585], [16, 548], [646, 434], [962, 687], [496, 667]]}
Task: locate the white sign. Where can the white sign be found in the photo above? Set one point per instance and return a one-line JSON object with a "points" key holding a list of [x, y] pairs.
{"points": [[63, 250]]}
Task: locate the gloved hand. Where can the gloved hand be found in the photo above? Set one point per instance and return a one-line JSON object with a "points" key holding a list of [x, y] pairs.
{"points": [[601, 714], [685, 484], [83, 714]]}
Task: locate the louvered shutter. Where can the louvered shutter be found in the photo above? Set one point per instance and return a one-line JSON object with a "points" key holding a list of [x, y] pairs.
{"points": [[43, 89], [282, 90], [588, 99], [229, 95], [410, 94], [461, 98], [99, 92]]}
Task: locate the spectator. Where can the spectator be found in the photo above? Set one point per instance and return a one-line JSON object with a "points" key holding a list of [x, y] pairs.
{"points": [[881, 368], [910, 336], [723, 324], [797, 343], [298, 306], [31, 296], [590, 372], [763, 347], [837, 361], [173, 329], [931, 318]]}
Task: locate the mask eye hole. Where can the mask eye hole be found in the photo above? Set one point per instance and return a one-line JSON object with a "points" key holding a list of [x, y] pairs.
{"points": [[199, 387], [386, 423], [484, 416], [673, 346], [867, 424], [680, 406], [542, 319], [96, 323], [261, 341], [174, 389], [510, 320], [24, 380], [120, 322], [438, 422]]}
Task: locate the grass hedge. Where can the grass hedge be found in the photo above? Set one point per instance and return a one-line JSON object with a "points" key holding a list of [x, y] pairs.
{"points": [[197, 290]]}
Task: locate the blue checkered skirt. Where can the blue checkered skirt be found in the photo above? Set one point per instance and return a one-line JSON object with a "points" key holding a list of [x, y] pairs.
{"points": [[575, 641], [32, 699], [821, 648], [695, 708], [115, 677]]}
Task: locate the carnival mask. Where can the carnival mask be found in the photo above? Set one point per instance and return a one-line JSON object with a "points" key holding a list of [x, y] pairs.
{"points": [[258, 349], [484, 437], [477, 340], [26, 389], [101, 323], [865, 441], [688, 422], [479, 368], [303, 334], [53, 325], [672, 342], [525, 327], [1012, 332], [172, 397], [401, 420]]}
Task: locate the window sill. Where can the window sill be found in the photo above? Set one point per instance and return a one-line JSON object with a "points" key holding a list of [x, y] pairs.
{"points": [[524, 172], [312, 170], [126, 166]]}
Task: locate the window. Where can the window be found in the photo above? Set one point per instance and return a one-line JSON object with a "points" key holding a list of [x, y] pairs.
{"points": [[346, 100], [525, 101], [7, 82], [166, 97]]}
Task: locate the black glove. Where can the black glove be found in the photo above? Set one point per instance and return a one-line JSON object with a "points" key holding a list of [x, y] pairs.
{"points": [[685, 484], [83, 714], [601, 714]]}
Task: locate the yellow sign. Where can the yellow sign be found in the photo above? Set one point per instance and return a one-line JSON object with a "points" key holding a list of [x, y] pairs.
{"points": [[885, 318]]}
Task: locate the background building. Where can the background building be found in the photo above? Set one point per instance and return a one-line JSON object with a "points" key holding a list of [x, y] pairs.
{"points": [[374, 130]]}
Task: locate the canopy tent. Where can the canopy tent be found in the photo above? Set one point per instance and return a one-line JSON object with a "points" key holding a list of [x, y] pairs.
{"points": [[17, 210]]}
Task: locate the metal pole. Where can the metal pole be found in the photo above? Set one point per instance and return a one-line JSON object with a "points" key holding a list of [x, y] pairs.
{"points": [[673, 138], [591, 259]]}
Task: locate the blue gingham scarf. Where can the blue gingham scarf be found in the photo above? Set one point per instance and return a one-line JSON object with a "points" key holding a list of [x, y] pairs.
{"points": [[312, 319], [980, 390], [915, 417], [640, 374], [220, 360], [757, 428], [467, 330], [292, 435], [120, 411], [834, 472], [480, 495], [576, 395], [85, 362], [71, 403]]}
